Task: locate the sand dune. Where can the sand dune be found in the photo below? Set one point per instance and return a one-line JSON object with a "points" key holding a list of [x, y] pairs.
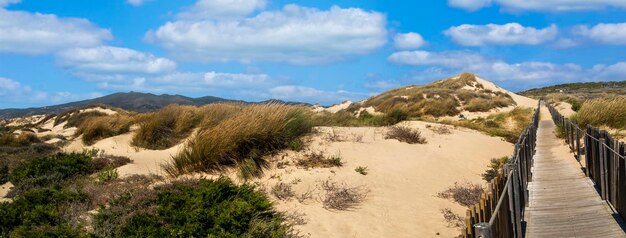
{"points": [[403, 180]]}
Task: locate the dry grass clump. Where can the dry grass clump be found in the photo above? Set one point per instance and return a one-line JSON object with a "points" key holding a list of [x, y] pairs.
{"points": [[465, 194], [440, 129], [319, 160], [23, 139], [342, 197], [602, 112], [97, 128], [405, 134], [165, 128], [452, 219], [242, 140], [282, 191], [172, 124]]}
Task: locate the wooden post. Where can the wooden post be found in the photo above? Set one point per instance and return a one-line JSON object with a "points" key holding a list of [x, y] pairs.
{"points": [[614, 171], [577, 144], [602, 170], [483, 230], [517, 210]]}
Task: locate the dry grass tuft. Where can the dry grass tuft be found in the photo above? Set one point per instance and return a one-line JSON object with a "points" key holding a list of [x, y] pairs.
{"points": [[508, 125], [405, 134], [602, 112], [342, 197], [242, 140], [452, 219], [97, 128], [319, 160], [23, 139], [465, 194], [282, 191]]}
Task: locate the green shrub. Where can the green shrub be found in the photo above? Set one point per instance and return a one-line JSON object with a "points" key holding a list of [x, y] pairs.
{"points": [[361, 170], [396, 116], [4, 172], [494, 165], [50, 170], [23, 139], [202, 208], [107, 175], [37, 213]]}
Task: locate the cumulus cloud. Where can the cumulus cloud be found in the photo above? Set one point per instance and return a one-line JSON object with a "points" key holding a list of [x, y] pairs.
{"points": [[106, 59], [470, 5], [540, 5], [4, 3], [218, 9], [308, 94], [137, 2], [608, 33], [507, 34], [35, 33], [12, 91], [408, 41], [530, 72], [293, 34]]}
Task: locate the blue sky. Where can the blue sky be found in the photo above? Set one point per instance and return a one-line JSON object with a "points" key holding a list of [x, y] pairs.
{"points": [[55, 51]]}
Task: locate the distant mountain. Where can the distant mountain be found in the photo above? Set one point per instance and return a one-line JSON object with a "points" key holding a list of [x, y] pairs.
{"points": [[589, 87], [133, 101]]}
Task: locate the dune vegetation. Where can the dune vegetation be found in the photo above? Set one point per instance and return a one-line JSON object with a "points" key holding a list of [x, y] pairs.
{"points": [[508, 125], [99, 127], [169, 126], [602, 112], [447, 97], [242, 140]]}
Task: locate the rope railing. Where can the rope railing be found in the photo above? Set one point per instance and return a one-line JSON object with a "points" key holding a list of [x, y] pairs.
{"points": [[501, 208], [604, 159]]}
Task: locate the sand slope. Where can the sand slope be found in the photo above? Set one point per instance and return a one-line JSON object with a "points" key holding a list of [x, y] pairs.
{"points": [[403, 180]]}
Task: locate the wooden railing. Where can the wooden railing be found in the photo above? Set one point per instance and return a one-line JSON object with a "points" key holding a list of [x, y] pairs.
{"points": [[604, 159], [501, 208]]}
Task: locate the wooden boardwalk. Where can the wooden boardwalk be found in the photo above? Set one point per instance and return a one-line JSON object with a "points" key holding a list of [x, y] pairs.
{"points": [[562, 201]]}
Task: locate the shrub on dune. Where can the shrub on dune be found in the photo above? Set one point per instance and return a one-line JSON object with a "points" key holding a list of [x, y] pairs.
{"points": [[165, 128], [97, 128], [602, 112], [242, 140]]}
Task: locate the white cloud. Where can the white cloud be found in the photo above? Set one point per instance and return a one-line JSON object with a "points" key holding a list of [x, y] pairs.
{"points": [[10, 87], [106, 59], [605, 33], [308, 94], [218, 9], [408, 41], [12, 91], [136, 2], [35, 33], [452, 62], [507, 34], [8, 2], [294, 34], [470, 5], [540, 5]]}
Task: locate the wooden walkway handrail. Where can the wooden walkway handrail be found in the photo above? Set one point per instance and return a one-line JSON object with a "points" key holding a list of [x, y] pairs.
{"points": [[604, 159], [501, 208]]}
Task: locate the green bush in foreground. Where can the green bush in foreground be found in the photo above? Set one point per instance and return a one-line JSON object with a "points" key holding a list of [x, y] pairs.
{"points": [[205, 208], [37, 213], [50, 170]]}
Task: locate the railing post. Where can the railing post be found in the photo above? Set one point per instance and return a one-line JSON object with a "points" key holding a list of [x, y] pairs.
{"points": [[577, 143], [483, 230], [602, 169], [514, 200]]}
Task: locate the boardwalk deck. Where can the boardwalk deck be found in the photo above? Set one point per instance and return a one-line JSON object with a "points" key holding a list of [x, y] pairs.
{"points": [[562, 201]]}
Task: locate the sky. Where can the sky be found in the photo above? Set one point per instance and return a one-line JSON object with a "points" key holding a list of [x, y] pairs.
{"points": [[326, 52]]}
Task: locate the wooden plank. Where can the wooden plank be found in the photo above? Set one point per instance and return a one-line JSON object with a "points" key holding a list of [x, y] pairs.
{"points": [[562, 200]]}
